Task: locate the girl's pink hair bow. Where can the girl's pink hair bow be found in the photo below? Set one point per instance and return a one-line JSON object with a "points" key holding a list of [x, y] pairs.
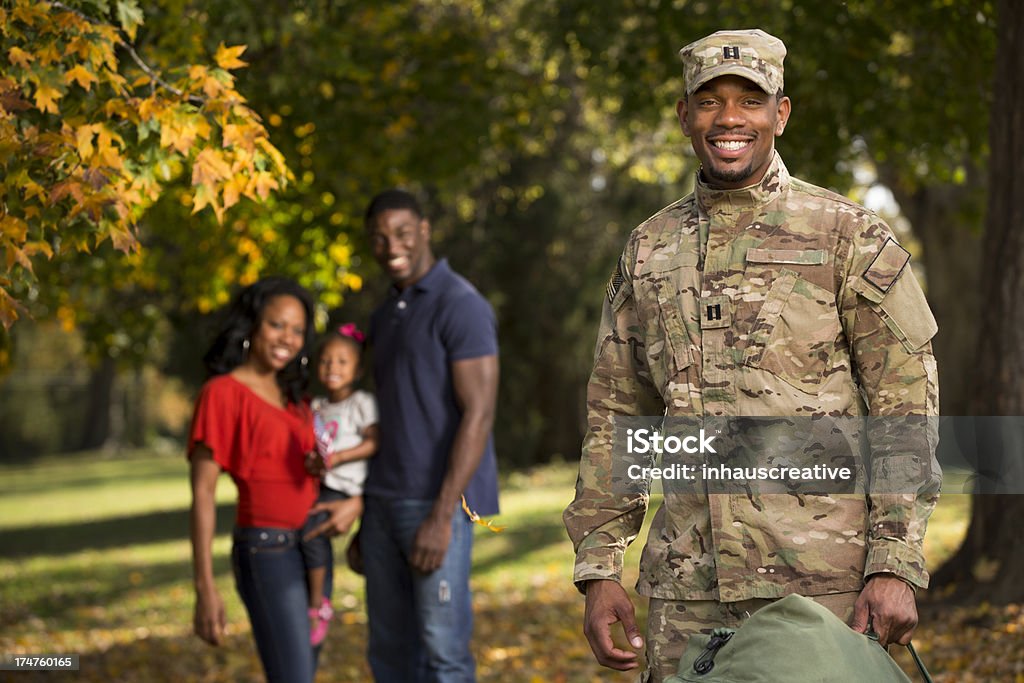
{"points": [[350, 330]]}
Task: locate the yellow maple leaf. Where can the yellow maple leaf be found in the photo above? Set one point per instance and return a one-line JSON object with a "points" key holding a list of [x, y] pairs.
{"points": [[477, 519], [274, 153], [233, 190], [33, 248], [83, 141], [264, 184], [212, 87], [209, 168], [8, 309], [47, 54], [203, 197], [123, 239], [239, 135], [46, 99], [18, 56], [105, 141], [79, 74], [13, 228], [16, 255], [228, 57]]}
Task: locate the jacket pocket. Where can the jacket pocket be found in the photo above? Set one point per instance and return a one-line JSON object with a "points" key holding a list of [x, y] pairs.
{"points": [[794, 334], [660, 297]]}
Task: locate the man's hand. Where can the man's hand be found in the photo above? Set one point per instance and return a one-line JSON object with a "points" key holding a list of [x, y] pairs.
{"points": [[431, 544], [354, 555], [343, 514], [887, 603], [608, 603], [209, 618]]}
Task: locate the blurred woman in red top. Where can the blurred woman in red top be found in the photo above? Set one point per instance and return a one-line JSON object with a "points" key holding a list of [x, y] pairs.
{"points": [[252, 422]]}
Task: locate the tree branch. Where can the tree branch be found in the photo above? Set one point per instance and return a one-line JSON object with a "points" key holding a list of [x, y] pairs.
{"points": [[127, 45]]}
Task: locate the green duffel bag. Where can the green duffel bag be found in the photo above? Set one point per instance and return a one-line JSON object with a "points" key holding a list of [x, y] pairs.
{"points": [[792, 639]]}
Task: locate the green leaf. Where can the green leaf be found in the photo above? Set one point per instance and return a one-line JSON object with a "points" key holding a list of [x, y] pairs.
{"points": [[129, 16]]}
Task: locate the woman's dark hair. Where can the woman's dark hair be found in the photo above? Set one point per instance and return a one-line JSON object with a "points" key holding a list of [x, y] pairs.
{"points": [[243, 316]]}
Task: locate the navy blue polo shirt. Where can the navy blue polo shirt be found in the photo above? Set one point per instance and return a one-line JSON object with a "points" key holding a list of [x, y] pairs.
{"points": [[416, 335]]}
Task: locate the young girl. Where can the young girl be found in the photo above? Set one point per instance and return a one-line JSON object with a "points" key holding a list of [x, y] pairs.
{"points": [[346, 425], [251, 421]]}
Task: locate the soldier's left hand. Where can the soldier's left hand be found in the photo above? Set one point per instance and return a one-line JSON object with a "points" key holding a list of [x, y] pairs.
{"points": [[887, 603]]}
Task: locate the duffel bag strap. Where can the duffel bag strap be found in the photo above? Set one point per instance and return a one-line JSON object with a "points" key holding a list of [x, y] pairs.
{"points": [[913, 653], [706, 661], [920, 664]]}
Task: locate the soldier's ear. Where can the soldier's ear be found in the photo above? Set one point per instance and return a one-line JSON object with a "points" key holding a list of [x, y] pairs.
{"points": [[681, 109], [784, 109]]}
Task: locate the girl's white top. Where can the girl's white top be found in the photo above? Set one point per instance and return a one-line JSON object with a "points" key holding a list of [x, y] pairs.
{"points": [[349, 417]]}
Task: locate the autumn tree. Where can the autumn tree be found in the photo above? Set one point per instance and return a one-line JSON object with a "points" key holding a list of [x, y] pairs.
{"points": [[91, 135], [995, 536]]}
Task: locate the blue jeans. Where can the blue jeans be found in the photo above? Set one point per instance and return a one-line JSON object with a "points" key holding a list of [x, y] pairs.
{"points": [[420, 624], [317, 552], [271, 579]]}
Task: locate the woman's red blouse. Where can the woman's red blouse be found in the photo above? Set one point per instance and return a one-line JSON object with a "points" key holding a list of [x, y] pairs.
{"points": [[262, 447]]}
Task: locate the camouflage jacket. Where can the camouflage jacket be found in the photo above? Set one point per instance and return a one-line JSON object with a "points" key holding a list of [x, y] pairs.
{"points": [[797, 301]]}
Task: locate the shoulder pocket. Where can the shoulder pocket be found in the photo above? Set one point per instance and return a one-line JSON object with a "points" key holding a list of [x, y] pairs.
{"points": [[903, 308]]}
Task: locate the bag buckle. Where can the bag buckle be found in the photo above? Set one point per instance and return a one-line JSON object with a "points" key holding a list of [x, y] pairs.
{"points": [[706, 661]]}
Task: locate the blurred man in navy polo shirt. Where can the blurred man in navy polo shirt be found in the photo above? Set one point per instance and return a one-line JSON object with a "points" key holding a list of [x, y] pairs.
{"points": [[435, 363]]}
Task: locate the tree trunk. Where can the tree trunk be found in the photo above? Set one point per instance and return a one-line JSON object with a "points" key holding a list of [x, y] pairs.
{"points": [[995, 534], [98, 399], [135, 411]]}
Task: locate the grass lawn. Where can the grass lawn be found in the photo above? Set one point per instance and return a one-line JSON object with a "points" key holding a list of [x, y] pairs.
{"points": [[96, 561]]}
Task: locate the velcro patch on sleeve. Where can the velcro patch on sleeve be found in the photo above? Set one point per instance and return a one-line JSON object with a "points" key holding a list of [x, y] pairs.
{"points": [[887, 266], [618, 283]]}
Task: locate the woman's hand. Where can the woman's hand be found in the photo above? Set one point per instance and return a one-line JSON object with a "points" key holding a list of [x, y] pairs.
{"points": [[209, 618]]}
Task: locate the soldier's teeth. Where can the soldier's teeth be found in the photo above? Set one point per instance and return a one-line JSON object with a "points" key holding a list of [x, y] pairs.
{"points": [[731, 144]]}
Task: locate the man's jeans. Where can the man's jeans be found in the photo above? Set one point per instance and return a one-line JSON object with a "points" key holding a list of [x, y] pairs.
{"points": [[271, 579], [420, 624]]}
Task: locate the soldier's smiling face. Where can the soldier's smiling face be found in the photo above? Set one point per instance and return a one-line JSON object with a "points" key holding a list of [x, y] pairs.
{"points": [[732, 125]]}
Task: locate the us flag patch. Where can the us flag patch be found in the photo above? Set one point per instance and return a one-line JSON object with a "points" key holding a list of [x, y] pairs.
{"points": [[615, 283]]}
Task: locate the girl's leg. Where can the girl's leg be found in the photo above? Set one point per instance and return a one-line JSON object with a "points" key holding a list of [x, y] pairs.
{"points": [[315, 577], [271, 579]]}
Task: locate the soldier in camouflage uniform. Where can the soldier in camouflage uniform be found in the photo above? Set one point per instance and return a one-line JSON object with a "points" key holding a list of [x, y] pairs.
{"points": [[757, 295]]}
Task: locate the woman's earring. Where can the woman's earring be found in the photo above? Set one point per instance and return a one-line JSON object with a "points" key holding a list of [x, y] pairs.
{"points": [[245, 344], [304, 361]]}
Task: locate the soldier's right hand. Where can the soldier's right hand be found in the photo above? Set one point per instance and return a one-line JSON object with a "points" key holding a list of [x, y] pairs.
{"points": [[607, 603]]}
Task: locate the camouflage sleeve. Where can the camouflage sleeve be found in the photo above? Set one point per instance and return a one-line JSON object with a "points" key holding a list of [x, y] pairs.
{"points": [[889, 326], [601, 520]]}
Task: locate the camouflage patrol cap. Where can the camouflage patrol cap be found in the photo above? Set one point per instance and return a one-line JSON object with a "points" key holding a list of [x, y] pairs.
{"points": [[750, 53]]}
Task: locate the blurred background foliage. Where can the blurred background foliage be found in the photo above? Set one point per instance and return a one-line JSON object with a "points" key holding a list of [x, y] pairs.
{"points": [[538, 133]]}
